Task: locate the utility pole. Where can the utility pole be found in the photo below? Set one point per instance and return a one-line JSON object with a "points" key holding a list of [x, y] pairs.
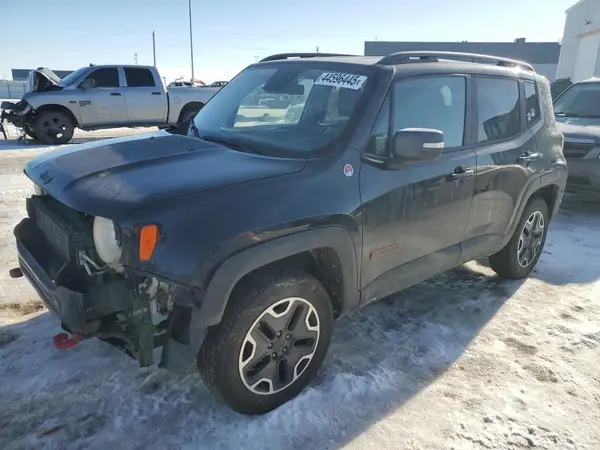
{"points": [[154, 46], [191, 43], [135, 57]]}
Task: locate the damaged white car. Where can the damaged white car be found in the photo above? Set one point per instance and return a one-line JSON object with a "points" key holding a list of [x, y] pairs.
{"points": [[97, 97]]}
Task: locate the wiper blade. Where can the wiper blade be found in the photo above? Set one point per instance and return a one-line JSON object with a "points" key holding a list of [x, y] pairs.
{"points": [[231, 143]]}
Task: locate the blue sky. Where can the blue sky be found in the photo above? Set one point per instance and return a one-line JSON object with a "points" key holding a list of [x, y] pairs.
{"points": [[230, 34]]}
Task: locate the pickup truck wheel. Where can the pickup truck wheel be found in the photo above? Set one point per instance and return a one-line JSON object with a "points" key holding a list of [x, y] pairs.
{"points": [[518, 258], [271, 342], [53, 127], [188, 112]]}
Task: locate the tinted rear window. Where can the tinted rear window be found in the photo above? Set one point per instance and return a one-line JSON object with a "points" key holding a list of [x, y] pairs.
{"points": [[139, 77]]}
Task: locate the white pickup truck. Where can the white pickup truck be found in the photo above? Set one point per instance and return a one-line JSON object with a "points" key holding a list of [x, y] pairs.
{"points": [[97, 97]]}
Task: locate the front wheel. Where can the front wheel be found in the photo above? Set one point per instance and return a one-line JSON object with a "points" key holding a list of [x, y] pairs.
{"points": [[271, 342], [53, 127], [518, 258]]}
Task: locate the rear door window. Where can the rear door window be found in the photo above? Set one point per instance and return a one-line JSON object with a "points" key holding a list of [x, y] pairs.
{"points": [[498, 108], [139, 77]]}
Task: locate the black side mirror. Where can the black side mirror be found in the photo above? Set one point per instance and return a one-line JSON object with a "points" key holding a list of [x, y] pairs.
{"points": [[88, 83], [418, 144]]}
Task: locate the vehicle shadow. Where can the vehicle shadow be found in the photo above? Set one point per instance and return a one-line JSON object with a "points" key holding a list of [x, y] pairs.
{"points": [[572, 251], [380, 357]]}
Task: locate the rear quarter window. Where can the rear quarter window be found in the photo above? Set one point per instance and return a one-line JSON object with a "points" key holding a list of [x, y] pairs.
{"points": [[532, 103]]}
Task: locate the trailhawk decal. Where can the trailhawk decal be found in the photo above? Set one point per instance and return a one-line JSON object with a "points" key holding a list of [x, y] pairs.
{"points": [[342, 80]]}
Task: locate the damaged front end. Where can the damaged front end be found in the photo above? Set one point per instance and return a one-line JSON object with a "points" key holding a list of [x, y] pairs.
{"points": [[17, 113], [64, 255], [14, 112]]}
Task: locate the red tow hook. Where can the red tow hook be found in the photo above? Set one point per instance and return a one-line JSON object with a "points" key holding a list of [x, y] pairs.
{"points": [[62, 341]]}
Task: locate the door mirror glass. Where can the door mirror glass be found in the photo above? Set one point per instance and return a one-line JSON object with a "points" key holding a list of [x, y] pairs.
{"points": [[88, 83], [418, 144]]}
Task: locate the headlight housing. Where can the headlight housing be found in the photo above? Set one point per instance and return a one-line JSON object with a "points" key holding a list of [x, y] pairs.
{"points": [[108, 242]]}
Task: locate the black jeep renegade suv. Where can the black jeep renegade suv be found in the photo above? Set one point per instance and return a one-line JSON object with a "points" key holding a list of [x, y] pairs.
{"points": [[307, 187]]}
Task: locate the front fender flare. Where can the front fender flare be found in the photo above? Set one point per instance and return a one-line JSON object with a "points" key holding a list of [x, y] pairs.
{"points": [[234, 268]]}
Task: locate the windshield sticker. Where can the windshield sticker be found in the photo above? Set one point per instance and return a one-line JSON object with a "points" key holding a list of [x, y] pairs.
{"points": [[342, 80]]}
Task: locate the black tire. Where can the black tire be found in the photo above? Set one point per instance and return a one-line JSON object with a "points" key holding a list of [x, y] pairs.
{"points": [[220, 360], [506, 262], [53, 127]]}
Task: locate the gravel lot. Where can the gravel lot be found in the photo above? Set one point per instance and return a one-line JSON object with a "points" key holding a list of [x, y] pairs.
{"points": [[462, 361]]}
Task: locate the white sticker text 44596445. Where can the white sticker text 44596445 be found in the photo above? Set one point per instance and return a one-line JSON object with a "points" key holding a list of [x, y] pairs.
{"points": [[342, 80]]}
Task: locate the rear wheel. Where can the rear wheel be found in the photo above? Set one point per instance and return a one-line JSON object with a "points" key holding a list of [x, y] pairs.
{"points": [[518, 258], [188, 112], [271, 342], [53, 127]]}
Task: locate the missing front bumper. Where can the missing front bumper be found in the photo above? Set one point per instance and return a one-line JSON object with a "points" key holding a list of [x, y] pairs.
{"points": [[111, 311]]}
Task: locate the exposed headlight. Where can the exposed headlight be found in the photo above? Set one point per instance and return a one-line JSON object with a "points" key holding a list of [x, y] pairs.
{"points": [[107, 242]]}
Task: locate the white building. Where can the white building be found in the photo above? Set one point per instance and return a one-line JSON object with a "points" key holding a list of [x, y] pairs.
{"points": [[580, 54]]}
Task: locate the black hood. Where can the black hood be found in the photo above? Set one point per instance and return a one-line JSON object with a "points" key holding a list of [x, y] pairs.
{"points": [[579, 128], [110, 177]]}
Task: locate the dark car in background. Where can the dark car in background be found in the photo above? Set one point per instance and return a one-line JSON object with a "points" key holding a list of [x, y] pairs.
{"points": [[577, 112]]}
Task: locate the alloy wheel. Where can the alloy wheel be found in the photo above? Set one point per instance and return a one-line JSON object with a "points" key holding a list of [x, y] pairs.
{"points": [[530, 240], [279, 346]]}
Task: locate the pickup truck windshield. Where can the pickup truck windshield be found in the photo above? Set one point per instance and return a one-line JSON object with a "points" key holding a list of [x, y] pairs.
{"points": [[580, 100], [72, 77], [284, 108]]}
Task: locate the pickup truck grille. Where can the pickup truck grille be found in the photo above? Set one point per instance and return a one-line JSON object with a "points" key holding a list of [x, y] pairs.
{"points": [[576, 150]]}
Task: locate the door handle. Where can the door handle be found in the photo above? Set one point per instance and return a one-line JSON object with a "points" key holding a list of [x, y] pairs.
{"points": [[115, 93], [156, 93], [459, 173], [528, 157]]}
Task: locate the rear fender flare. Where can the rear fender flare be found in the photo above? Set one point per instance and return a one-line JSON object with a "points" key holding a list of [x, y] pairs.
{"points": [[233, 269]]}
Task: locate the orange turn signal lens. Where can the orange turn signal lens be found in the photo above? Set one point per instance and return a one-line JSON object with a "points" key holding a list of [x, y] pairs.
{"points": [[148, 239]]}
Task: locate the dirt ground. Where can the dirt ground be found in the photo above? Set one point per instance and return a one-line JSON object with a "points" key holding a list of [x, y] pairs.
{"points": [[463, 361]]}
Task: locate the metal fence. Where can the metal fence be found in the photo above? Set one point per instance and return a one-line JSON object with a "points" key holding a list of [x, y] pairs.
{"points": [[12, 89]]}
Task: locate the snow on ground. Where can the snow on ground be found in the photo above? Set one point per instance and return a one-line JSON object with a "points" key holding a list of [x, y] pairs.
{"points": [[459, 362]]}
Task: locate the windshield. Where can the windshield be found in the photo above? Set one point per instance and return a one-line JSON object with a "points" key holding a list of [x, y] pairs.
{"points": [[283, 108], [72, 77], [580, 100]]}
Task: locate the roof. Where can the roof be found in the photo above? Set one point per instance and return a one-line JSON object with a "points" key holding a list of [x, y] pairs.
{"points": [[575, 5], [441, 65], [531, 52]]}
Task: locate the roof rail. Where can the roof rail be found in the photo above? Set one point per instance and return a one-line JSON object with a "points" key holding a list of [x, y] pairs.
{"points": [[433, 56], [299, 55]]}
